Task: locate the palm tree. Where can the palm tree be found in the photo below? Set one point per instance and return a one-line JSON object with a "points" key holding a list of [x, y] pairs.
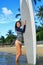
{"points": [[39, 34], [39, 13], [10, 32], [35, 1], [2, 40], [18, 14], [10, 37]]}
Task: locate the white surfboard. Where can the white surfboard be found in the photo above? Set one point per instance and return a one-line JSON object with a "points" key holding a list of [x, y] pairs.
{"points": [[30, 33]]}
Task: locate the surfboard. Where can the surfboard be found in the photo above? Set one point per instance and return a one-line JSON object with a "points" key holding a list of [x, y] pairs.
{"points": [[30, 32]]}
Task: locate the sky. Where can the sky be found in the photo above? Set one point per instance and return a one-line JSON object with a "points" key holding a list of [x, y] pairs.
{"points": [[8, 11]]}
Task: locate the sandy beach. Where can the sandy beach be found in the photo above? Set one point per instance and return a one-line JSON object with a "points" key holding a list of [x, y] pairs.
{"points": [[13, 50]]}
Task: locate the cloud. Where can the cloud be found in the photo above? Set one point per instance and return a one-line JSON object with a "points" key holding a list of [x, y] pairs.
{"points": [[6, 11], [7, 16], [7, 19], [4, 20]]}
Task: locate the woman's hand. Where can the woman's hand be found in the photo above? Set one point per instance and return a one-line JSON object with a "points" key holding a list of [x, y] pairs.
{"points": [[25, 22]]}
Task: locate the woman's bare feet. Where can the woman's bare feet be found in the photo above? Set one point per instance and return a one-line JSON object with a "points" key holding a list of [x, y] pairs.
{"points": [[17, 63], [16, 60]]}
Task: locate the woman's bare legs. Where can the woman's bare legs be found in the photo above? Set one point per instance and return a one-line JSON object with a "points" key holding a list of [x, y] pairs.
{"points": [[18, 50]]}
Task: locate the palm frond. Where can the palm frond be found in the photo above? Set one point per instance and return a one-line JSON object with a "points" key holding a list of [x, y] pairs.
{"points": [[35, 1], [18, 9], [17, 15]]}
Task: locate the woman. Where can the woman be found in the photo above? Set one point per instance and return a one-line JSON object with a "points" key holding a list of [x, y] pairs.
{"points": [[18, 42]]}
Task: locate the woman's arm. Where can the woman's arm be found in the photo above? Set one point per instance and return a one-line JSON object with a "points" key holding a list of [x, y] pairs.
{"points": [[20, 29]]}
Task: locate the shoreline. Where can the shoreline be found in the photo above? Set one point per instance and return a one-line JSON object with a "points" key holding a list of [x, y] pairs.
{"points": [[13, 50]]}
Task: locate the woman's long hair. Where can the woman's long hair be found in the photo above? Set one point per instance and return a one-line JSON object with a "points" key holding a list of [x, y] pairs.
{"points": [[16, 24]]}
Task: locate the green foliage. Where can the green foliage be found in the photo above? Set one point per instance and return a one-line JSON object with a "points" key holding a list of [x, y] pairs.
{"points": [[9, 40], [2, 40], [40, 13], [39, 34], [10, 37]]}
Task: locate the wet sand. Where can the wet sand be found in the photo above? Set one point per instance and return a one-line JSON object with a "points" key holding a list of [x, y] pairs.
{"points": [[9, 59], [7, 56]]}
